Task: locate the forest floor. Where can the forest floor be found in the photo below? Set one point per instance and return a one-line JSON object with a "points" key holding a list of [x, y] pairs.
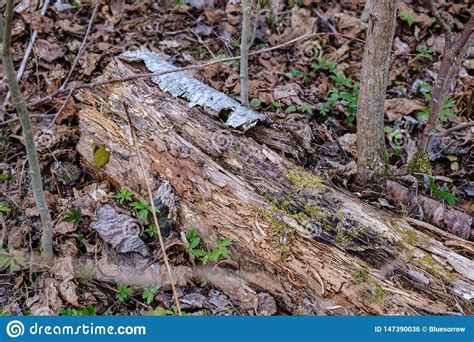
{"points": [[310, 86]]}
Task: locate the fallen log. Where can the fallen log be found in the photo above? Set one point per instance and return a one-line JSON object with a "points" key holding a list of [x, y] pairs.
{"points": [[295, 237]]}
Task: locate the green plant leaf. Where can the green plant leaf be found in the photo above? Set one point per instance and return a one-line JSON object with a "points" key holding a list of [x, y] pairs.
{"points": [[224, 242], [194, 243], [295, 72], [255, 103], [149, 293], [74, 216], [407, 16], [4, 209], [123, 292], [124, 194], [101, 157]]}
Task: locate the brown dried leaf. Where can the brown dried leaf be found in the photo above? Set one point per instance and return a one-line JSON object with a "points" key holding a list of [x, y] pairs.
{"points": [[48, 51], [348, 143], [396, 108], [424, 20], [302, 22], [349, 25]]}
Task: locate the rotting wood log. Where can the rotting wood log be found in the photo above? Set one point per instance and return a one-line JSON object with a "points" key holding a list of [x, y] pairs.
{"points": [[296, 238]]}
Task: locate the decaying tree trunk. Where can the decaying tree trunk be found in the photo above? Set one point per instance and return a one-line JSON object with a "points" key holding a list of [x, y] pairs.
{"points": [[309, 245]]}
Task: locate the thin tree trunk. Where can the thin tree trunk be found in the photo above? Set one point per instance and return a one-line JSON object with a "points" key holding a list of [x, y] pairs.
{"points": [[27, 129], [244, 54], [454, 54], [375, 69]]}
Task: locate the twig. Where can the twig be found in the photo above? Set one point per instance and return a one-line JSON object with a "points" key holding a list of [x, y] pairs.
{"points": [[453, 129], [56, 116], [446, 28], [326, 21], [6, 122], [76, 60], [28, 50], [153, 211], [61, 92], [202, 42], [81, 49]]}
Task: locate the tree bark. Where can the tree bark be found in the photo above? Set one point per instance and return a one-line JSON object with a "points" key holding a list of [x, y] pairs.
{"points": [[311, 246], [371, 149]]}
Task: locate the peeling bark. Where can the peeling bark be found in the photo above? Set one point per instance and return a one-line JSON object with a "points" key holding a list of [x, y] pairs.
{"points": [[294, 237]]}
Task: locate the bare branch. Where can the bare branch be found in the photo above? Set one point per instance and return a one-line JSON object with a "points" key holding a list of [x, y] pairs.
{"points": [[28, 50], [454, 129], [81, 49], [446, 28]]}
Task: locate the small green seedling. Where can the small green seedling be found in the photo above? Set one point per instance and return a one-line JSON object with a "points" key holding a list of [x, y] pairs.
{"points": [[276, 104], [74, 216], [194, 241], [160, 311], [151, 231], [124, 194], [347, 99], [323, 64], [425, 88], [340, 79], [408, 17], [4, 209], [305, 108], [426, 52], [4, 312], [149, 293], [123, 292], [255, 103], [394, 135], [80, 238], [442, 192], [295, 72], [89, 310], [11, 260], [220, 252], [445, 113], [4, 176], [143, 208]]}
